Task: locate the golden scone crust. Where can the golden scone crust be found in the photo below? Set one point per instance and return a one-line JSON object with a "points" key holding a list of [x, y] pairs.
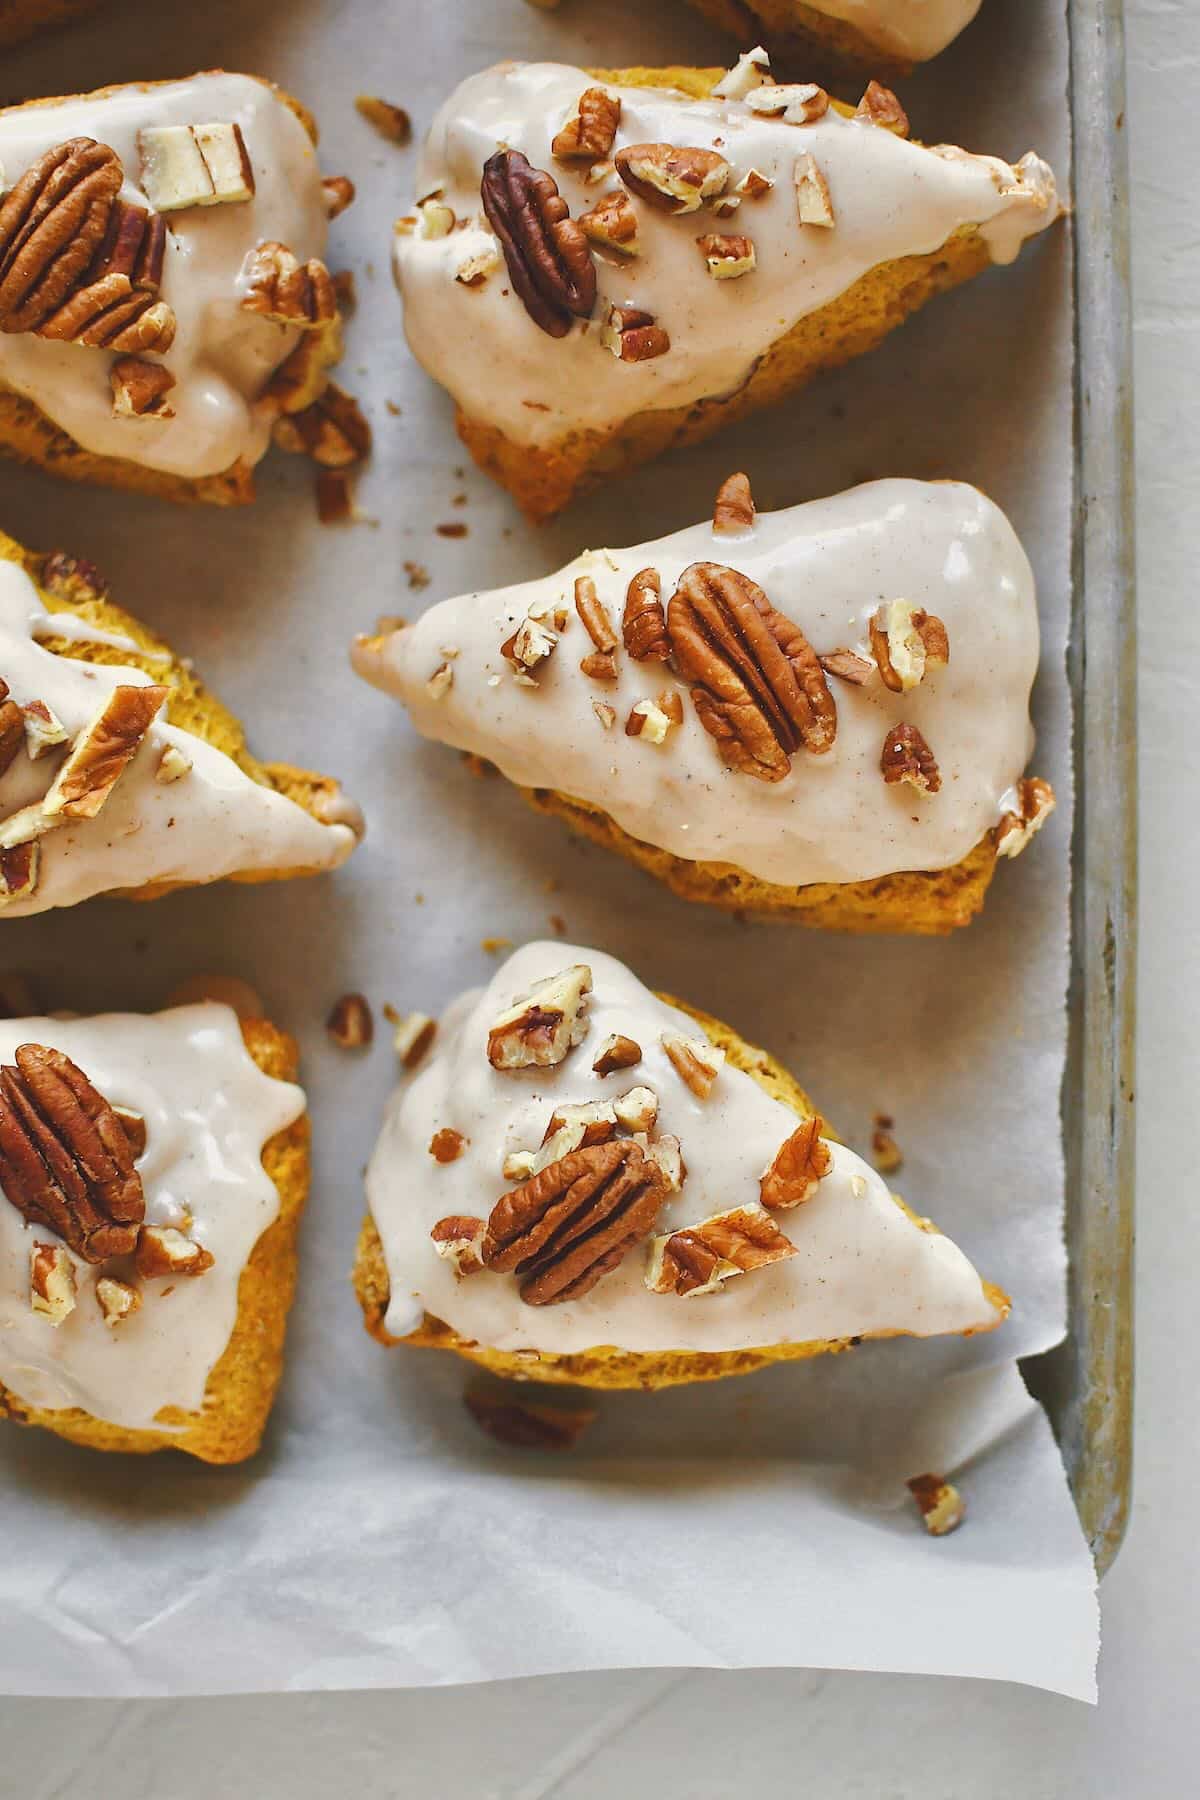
{"points": [[191, 707], [241, 1388], [28, 436], [19, 19], [543, 479], [803, 42], [606, 1366]]}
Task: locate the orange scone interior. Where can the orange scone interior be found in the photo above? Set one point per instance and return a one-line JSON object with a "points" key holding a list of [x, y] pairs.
{"points": [[145, 1283], [587, 1182], [119, 772], [164, 304], [820, 714], [601, 267]]}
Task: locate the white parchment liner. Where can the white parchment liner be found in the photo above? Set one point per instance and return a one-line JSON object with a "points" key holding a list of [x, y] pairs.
{"points": [[378, 1539]]}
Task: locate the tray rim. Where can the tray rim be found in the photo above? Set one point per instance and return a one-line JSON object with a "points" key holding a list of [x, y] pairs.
{"points": [[1086, 1383]]}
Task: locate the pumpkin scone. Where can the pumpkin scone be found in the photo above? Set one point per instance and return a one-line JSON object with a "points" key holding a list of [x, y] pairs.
{"points": [[19, 19], [591, 1183], [818, 715], [164, 309], [153, 1170], [119, 772], [604, 266], [873, 36]]}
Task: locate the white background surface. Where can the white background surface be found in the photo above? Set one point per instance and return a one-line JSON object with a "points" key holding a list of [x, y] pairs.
{"points": [[840, 1735]]}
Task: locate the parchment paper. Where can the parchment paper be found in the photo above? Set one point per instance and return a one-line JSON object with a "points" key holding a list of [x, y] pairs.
{"points": [[378, 1539]]}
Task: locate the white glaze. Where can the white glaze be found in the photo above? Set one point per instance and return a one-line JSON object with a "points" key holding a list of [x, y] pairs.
{"points": [[222, 356], [912, 30], [861, 1264], [827, 565], [214, 821], [209, 1110], [892, 198]]}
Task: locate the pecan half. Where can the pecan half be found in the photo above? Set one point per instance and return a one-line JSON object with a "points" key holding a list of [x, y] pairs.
{"points": [[103, 751], [906, 642], [52, 223], [65, 1161], [733, 510], [759, 688], [569, 1226], [111, 314], [593, 130], [548, 258], [675, 179], [286, 290], [644, 623], [699, 1258], [907, 757], [799, 1166]]}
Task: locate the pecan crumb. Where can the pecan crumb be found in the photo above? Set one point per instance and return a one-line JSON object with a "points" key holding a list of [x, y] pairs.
{"points": [[117, 1300], [350, 1023], [334, 504], [418, 575], [814, 206], [391, 122], [605, 713], [338, 191], [616, 1052], [412, 1035], [457, 1240], [648, 720], [525, 1425], [696, 1061], [447, 1145], [884, 1148], [942, 1506], [51, 1281], [797, 102]]}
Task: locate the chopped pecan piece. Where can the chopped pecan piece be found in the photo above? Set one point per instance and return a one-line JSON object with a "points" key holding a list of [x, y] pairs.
{"points": [[134, 1127], [600, 665], [524, 1425], [412, 1035], [287, 291], [605, 714], [699, 1258], [548, 258], [332, 430], [616, 1052], [667, 1156], [753, 185], [531, 644], [391, 122], [140, 389], [573, 1128], [726, 257], [907, 757], [441, 681], [65, 1160], [941, 1504], [51, 1281], [474, 270], [44, 730], [799, 1166], [879, 106], [103, 751], [70, 578], [567, 1227], [613, 224], [906, 643], [117, 1300], [847, 667], [675, 179], [733, 511], [457, 1240], [697, 1062], [814, 205], [797, 102], [884, 1148], [1037, 802], [593, 130], [195, 165], [20, 865], [650, 720], [53, 221], [632, 336], [339, 194], [173, 765], [162, 1250], [350, 1024], [335, 500], [759, 688], [594, 614], [541, 1027], [636, 1110], [447, 1145], [644, 623], [750, 70]]}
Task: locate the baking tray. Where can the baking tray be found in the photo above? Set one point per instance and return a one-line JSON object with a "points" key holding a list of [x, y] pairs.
{"points": [[1086, 1382]]}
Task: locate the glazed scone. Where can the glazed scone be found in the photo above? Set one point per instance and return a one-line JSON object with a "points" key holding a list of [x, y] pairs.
{"points": [[588, 1182], [162, 296], [119, 772], [19, 19], [820, 714], [144, 1288], [876, 37], [593, 294]]}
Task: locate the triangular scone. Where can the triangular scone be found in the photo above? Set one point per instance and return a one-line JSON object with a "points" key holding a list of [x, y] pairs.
{"points": [[623, 695], [588, 1182], [168, 1332], [195, 317], [875, 37], [187, 803], [719, 249]]}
